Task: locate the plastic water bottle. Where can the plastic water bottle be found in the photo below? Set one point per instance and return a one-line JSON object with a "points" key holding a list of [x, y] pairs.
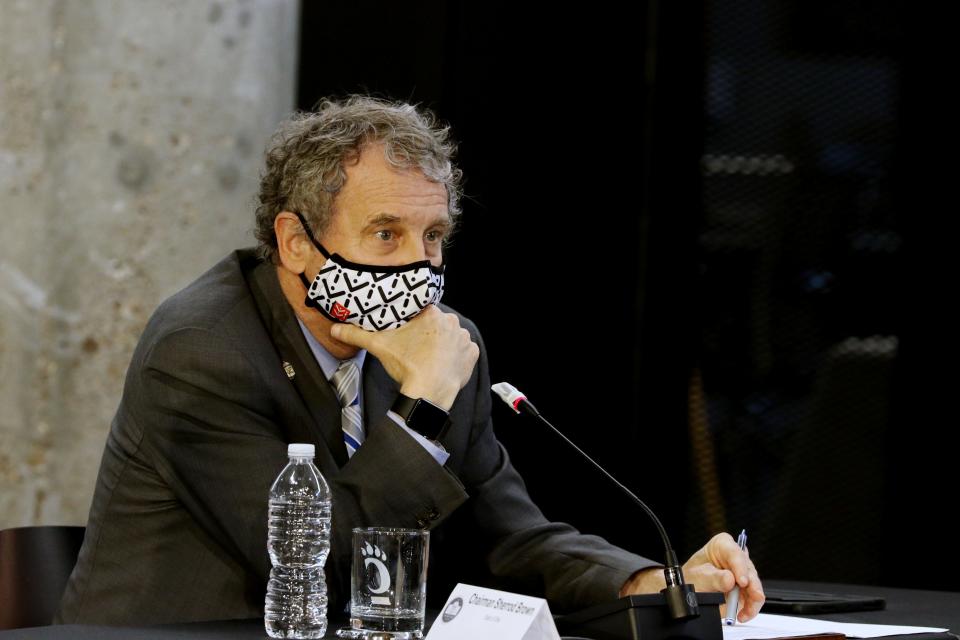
{"points": [[298, 541]]}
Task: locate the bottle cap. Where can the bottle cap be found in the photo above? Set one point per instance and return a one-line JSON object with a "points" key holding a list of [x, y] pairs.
{"points": [[300, 450]]}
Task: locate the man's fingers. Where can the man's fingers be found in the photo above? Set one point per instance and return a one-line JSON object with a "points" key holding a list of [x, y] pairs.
{"points": [[756, 589], [729, 555], [750, 609], [755, 585], [753, 597], [707, 577], [739, 565], [725, 566], [353, 335]]}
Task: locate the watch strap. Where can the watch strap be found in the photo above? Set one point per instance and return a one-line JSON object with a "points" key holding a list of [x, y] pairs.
{"points": [[422, 416]]}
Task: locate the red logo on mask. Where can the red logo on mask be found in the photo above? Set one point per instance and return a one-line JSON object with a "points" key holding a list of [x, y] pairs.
{"points": [[339, 312]]}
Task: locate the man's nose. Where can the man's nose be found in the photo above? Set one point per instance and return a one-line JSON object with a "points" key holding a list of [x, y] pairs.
{"points": [[414, 250]]}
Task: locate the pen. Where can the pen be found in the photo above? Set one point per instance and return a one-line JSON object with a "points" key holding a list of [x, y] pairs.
{"points": [[734, 601]]}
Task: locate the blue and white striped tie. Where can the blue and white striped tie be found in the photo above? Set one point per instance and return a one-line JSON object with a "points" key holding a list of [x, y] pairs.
{"points": [[346, 380]]}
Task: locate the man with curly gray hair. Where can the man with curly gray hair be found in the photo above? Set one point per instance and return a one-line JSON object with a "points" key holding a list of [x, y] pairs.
{"points": [[308, 155], [331, 332]]}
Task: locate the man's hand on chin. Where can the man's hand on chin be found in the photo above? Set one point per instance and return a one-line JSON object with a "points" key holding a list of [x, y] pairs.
{"points": [[430, 357]]}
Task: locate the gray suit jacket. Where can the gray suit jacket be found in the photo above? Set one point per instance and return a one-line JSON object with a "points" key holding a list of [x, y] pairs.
{"points": [[178, 524]]}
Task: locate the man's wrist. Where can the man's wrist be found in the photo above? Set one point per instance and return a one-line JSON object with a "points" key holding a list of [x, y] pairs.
{"points": [[442, 398], [649, 580], [422, 416]]}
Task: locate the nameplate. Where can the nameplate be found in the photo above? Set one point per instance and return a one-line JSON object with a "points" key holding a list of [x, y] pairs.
{"points": [[475, 613]]}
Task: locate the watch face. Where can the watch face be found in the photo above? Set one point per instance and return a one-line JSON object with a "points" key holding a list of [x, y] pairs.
{"points": [[421, 415], [411, 415]]}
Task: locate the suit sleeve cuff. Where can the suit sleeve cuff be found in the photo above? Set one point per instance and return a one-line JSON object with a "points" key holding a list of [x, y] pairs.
{"points": [[438, 454]]}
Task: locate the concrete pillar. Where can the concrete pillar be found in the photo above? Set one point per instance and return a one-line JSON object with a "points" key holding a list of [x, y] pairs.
{"points": [[131, 139]]}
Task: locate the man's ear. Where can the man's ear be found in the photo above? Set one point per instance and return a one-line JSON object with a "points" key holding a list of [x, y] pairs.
{"points": [[293, 245]]}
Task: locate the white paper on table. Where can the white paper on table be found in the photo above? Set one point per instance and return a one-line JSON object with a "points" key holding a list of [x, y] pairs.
{"points": [[766, 625]]}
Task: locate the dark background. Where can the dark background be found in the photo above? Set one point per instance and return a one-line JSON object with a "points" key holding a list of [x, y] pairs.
{"points": [[712, 242]]}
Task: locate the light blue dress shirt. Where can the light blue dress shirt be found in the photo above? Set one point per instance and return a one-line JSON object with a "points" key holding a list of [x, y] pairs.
{"points": [[329, 365]]}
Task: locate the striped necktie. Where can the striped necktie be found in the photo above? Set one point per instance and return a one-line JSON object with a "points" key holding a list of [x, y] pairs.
{"points": [[346, 381]]}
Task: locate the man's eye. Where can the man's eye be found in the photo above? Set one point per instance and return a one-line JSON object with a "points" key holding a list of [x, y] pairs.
{"points": [[434, 236], [384, 234]]}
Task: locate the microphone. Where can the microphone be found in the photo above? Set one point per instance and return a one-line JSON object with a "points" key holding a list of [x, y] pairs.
{"points": [[680, 597]]}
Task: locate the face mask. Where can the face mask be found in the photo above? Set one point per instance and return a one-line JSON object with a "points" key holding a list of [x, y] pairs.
{"points": [[372, 297]]}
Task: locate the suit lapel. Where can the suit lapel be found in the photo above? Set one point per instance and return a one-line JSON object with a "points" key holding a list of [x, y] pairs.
{"points": [[308, 378], [379, 391]]}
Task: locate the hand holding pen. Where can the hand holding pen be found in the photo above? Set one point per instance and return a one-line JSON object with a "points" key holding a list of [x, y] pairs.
{"points": [[718, 566], [733, 598]]}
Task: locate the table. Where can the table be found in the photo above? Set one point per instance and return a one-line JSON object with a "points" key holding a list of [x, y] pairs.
{"points": [[904, 606]]}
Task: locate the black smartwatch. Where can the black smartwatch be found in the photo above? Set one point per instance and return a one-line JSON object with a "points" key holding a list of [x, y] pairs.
{"points": [[422, 416]]}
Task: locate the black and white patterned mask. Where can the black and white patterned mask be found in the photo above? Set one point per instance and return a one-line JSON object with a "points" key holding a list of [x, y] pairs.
{"points": [[373, 297]]}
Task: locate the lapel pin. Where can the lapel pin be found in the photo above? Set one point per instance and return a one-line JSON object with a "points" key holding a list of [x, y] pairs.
{"points": [[289, 369]]}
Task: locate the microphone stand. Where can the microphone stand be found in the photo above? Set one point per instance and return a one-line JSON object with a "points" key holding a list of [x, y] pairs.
{"points": [[674, 613]]}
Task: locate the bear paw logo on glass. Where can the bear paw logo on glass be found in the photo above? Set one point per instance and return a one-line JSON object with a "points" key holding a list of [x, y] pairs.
{"points": [[380, 583]]}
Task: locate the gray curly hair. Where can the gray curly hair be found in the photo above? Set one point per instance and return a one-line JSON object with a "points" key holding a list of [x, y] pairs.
{"points": [[306, 157]]}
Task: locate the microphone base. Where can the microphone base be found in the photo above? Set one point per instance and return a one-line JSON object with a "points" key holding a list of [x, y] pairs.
{"points": [[644, 617]]}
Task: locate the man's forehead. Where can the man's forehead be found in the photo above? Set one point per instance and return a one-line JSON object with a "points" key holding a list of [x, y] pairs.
{"points": [[375, 192], [373, 174]]}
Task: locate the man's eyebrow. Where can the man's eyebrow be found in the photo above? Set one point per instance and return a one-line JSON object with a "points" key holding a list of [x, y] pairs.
{"points": [[389, 218], [382, 218]]}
